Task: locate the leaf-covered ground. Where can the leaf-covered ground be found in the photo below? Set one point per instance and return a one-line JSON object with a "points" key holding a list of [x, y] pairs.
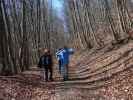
{"points": [[29, 87], [24, 87]]}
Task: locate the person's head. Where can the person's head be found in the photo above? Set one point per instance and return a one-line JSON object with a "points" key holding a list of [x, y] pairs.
{"points": [[65, 47], [60, 49], [48, 52], [45, 51]]}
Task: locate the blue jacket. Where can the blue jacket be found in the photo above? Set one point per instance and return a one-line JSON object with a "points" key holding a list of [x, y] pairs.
{"points": [[64, 55], [59, 54]]}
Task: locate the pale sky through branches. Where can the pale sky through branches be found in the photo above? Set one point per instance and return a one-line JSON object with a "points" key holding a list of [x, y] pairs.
{"points": [[58, 6], [59, 9]]}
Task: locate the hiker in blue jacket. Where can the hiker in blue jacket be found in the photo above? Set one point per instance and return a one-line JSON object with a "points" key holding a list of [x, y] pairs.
{"points": [[59, 56], [64, 56]]}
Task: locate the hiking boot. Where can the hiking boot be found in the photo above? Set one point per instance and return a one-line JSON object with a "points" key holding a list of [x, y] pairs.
{"points": [[46, 80], [65, 79], [51, 79]]}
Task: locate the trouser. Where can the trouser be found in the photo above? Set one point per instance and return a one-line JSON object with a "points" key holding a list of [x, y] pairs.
{"points": [[60, 63], [64, 71], [48, 73]]}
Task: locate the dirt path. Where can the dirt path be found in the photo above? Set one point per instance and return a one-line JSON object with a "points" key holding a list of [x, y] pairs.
{"points": [[22, 88], [107, 76]]}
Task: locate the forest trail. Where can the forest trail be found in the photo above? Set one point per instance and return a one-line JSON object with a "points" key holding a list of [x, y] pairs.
{"points": [[100, 32], [101, 75]]}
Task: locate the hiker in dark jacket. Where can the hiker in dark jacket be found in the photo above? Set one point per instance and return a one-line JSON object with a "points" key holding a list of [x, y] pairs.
{"points": [[46, 63]]}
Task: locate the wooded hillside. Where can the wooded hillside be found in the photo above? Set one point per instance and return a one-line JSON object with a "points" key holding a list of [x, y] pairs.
{"points": [[29, 25], [100, 31]]}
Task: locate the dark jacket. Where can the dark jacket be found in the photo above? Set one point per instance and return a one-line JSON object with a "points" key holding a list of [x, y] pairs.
{"points": [[45, 60]]}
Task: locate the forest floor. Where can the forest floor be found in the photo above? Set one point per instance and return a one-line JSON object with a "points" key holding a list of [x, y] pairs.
{"points": [[31, 86], [26, 87]]}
